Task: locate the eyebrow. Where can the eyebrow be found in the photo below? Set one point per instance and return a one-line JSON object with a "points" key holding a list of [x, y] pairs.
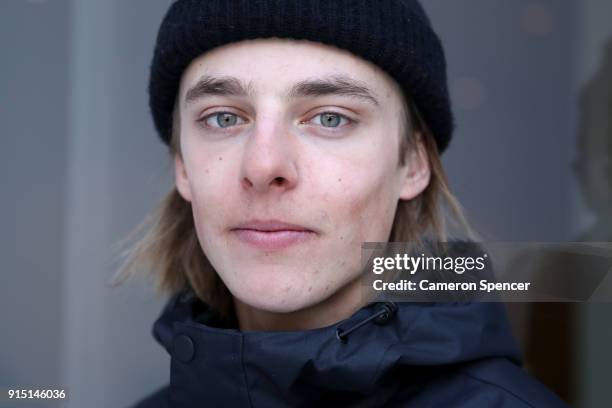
{"points": [[212, 85], [330, 85], [333, 85]]}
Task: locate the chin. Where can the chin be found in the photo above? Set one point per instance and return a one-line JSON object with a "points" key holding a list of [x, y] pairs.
{"points": [[279, 305], [276, 296]]}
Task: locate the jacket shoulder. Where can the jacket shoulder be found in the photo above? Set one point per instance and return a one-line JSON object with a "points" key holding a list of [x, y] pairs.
{"points": [[157, 399], [491, 382], [513, 382]]}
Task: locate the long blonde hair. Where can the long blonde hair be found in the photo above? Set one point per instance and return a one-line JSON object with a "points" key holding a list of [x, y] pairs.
{"points": [[166, 244]]}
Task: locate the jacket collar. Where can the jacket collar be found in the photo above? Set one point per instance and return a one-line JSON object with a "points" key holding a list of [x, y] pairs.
{"points": [[211, 363]]}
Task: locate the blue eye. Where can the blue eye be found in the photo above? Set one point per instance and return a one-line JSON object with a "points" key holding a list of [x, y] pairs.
{"points": [[331, 119], [223, 120]]}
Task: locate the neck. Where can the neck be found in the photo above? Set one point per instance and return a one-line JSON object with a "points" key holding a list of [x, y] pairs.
{"points": [[339, 306]]}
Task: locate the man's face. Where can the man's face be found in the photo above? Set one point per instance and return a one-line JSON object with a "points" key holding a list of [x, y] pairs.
{"points": [[290, 161]]}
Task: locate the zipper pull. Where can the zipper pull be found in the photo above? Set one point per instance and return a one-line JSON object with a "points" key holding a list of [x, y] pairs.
{"points": [[384, 312]]}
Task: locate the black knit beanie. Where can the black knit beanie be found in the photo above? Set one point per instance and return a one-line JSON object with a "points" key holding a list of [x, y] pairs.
{"points": [[396, 35]]}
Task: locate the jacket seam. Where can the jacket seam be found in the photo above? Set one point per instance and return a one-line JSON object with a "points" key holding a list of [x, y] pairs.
{"points": [[244, 374], [391, 346], [495, 385]]}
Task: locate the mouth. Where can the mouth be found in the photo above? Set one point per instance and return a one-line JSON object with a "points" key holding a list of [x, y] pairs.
{"points": [[272, 234]]}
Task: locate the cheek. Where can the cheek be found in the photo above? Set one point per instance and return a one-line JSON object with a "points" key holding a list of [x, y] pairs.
{"points": [[210, 185], [367, 197], [370, 208]]}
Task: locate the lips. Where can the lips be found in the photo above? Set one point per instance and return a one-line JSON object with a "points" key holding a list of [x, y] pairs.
{"points": [[272, 235], [270, 226]]}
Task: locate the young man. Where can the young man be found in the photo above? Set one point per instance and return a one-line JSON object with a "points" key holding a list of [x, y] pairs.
{"points": [[298, 131]]}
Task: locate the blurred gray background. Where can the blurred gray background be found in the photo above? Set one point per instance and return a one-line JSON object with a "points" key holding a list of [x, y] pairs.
{"points": [[81, 166]]}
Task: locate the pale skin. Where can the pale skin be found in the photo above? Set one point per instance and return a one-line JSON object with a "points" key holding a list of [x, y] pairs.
{"points": [[260, 140]]}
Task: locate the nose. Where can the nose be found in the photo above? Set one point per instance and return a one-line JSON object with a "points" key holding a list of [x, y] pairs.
{"points": [[269, 157]]}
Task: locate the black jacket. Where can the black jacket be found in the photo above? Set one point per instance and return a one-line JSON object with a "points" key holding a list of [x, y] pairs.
{"points": [[420, 355]]}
